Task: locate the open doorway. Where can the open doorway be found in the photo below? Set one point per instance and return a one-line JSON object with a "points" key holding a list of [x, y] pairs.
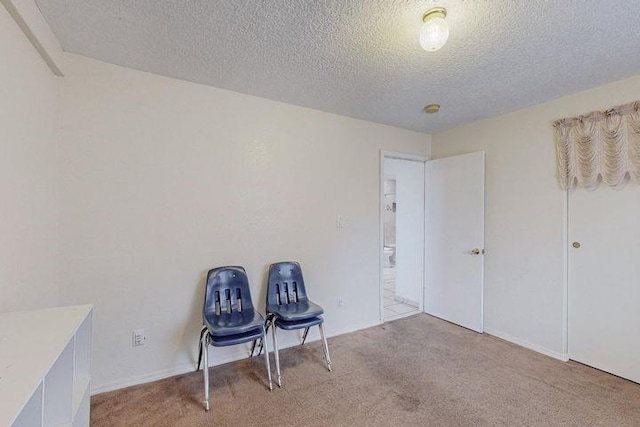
{"points": [[402, 248]]}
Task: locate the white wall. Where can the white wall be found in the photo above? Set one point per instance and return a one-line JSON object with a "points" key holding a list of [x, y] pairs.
{"points": [[28, 174], [164, 179], [524, 263]]}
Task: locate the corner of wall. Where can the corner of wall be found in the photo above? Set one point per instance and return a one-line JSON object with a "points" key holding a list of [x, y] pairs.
{"points": [[34, 26], [428, 144]]}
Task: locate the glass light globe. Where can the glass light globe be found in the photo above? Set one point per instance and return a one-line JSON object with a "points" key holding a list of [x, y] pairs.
{"points": [[434, 33]]}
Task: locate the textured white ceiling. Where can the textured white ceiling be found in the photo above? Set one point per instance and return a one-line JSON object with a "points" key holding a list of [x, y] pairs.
{"points": [[361, 58]]}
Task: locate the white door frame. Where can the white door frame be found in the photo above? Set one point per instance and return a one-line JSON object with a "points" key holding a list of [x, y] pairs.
{"points": [[388, 155], [566, 280]]}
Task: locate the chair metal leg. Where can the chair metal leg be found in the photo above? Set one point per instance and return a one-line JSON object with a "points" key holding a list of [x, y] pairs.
{"points": [[275, 352], [205, 354], [267, 324], [266, 357], [325, 347], [261, 346], [202, 332], [304, 335]]}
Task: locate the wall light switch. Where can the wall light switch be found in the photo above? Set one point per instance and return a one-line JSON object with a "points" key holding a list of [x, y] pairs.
{"points": [[340, 221]]}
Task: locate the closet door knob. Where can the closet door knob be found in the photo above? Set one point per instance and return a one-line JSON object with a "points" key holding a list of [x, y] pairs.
{"points": [[576, 245]]}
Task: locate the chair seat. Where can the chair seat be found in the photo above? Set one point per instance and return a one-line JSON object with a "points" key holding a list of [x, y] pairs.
{"points": [[224, 341], [295, 311], [298, 324], [235, 323]]}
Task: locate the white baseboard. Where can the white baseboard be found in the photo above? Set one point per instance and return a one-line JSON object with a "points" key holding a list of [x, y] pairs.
{"points": [[406, 301], [551, 353], [183, 369], [145, 378]]}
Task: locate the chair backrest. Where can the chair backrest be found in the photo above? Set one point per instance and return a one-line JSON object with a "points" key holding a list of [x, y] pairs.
{"points": [[226, 291], [285, 284]]}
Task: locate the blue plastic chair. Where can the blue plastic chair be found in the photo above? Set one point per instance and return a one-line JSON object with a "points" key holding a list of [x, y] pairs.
{"points": [[229, 317], [289, 308]]}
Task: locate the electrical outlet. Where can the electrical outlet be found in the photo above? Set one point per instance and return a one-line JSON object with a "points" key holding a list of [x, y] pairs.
{"points": [[340, 221], [340, 303], [138, 337]]}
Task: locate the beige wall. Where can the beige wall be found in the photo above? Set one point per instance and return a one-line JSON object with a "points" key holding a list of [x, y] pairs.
{"points": [[28, 174], [525, 226], [164, 179], [157, 180]]}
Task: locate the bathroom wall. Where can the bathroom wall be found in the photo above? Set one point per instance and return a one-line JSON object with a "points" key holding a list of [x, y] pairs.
{"points": [[409, 250], [389, 212]]}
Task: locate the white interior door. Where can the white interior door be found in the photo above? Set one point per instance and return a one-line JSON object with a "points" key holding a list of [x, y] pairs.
{"points": [[604, 279], [454, 215]]}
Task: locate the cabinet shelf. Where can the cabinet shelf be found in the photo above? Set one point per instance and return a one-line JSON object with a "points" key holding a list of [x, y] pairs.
{"points": [[46, 362]]}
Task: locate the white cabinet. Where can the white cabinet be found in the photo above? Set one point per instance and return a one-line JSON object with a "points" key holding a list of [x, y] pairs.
{"points": [[45, 367]]}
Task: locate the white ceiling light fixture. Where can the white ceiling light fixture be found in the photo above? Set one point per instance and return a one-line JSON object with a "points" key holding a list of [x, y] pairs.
{"points": [[435, 30]]}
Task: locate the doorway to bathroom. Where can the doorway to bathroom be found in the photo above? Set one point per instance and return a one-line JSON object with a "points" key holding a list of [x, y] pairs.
{"points": [[402, 252]]}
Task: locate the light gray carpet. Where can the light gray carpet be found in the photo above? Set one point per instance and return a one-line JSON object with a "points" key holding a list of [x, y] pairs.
{"points": [[417, 371]]}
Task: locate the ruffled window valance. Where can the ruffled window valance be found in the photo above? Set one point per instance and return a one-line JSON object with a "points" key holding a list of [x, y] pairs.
{"points": [[599, 146]]}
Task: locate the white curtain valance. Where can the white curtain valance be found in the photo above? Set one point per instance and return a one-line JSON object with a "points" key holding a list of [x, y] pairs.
{"points": [[599, 146]]}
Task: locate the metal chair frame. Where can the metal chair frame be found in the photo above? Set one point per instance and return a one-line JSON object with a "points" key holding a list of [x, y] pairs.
{"points": [[213, 334], [292, 303]]}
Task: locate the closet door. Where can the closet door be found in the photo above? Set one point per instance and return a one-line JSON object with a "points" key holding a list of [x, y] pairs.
{"points": [[604, 279]]}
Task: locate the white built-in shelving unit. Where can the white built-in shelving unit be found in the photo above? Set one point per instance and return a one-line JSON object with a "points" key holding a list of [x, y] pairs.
{"points": [[45, 367]]}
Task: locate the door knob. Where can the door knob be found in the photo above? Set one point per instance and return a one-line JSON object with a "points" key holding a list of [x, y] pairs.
{"points": [[475, 251]]}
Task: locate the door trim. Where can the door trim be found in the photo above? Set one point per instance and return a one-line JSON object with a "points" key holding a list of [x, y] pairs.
{"points": [[565, 278], [388, 155]]}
